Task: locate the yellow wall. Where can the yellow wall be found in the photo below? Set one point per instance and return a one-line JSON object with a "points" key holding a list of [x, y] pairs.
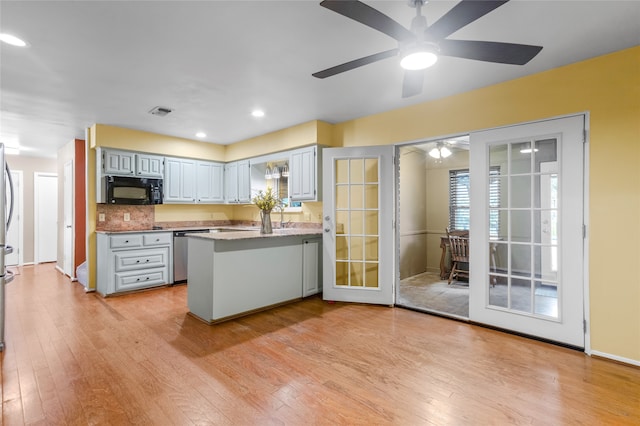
{"points": [[310, 133], [608, 87], [136, 140]]}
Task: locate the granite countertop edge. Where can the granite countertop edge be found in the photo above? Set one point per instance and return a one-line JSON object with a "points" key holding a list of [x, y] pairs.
{"points": [[240, 234], [244, 235]]}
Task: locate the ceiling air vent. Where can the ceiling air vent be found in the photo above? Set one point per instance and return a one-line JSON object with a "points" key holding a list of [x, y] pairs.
{"points": [[160, 111]]}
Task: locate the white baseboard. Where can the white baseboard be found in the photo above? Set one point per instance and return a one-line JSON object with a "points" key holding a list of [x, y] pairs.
{"points": [[616, 358], [59, 269]]}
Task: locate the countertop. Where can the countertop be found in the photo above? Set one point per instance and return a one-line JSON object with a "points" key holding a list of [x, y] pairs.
{"points": [[228, 233], [172, 229], [248, 234]]}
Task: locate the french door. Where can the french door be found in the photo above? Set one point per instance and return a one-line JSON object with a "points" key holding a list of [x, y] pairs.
{"points": [[526, 245], [358, 224]]}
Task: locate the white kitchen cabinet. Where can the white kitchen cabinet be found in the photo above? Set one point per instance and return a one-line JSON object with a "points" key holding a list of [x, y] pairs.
{"points": [[311, 266], [237, 178], [179, 181], [209, 182], [121, 163], [133, 261], [148, 165], [128, 163], [304, 182]]}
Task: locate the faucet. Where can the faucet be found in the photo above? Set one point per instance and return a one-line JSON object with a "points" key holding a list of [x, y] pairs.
{"points": [[281, 216]]}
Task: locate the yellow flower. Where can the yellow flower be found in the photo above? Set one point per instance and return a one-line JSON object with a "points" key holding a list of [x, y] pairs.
{"points": [[266, 201]]}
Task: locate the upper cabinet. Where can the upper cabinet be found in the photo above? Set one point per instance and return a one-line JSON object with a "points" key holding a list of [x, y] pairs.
{"points": [[304, 181], [149, 165], [209, 182], [188, 181], [127, 163], [237, 178], [180, 180]]}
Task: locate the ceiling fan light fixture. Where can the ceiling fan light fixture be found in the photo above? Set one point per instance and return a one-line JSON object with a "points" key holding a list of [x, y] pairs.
{"points": [[440, 152], [13, 40], [418, 60]]}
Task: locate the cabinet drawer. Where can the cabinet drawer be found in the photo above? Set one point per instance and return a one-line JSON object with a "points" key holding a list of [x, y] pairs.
{"points": [[126, 241], [157, 239], [133, 281], [141, 259]]}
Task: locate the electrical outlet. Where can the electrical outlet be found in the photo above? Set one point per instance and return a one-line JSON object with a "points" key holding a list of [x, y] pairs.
{"points": [[101, 217], [127, 217]]}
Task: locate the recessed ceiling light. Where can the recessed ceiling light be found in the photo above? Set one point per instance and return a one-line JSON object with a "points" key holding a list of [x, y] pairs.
{"points": [[201, 135], [257, 113], [12, 40]]}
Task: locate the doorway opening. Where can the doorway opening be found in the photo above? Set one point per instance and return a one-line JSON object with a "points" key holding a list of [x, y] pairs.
{"points": [[433, 195]]}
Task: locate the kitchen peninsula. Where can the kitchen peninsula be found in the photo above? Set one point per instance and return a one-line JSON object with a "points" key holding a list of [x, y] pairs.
{"points": [[239, 272]]}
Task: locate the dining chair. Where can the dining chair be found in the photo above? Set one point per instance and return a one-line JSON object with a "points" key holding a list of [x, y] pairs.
{"points": [[459, 247]]}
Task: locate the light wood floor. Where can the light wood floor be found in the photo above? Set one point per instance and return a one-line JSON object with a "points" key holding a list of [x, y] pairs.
{"points": [[77, 358]]}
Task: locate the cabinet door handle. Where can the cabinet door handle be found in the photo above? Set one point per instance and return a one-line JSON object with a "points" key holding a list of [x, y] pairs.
{"points": [[137, 279], [126, 241], [147, 260], [147, 278], [137, 261]]}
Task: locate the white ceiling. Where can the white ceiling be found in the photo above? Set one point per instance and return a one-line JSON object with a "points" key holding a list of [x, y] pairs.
{"points": [[213, 62]]}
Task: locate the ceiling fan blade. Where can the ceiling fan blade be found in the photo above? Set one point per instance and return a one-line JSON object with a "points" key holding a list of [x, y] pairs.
{"points": [[355, 63], [369, 16], [489, 51], [460, 15], [412, 83]]}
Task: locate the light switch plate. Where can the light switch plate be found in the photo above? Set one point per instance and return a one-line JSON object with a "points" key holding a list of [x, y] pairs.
{"points": [[127, 217], [101, 217]]}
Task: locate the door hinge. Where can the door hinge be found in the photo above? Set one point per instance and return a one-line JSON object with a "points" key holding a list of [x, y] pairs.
{"points": [[584, 325], [584, 231], [584, 136]]}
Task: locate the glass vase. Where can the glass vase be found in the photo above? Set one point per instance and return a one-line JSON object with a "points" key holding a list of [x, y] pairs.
{"points": [[265, 226]]}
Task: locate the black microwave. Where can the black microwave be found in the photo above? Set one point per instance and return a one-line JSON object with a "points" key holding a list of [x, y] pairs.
{"points": [[133, 190]]}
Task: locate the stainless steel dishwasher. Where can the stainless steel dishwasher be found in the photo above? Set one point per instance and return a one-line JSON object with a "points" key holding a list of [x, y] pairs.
{"points": [[180, 253]]}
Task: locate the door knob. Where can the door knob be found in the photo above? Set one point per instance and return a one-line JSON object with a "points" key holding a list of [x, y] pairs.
{"points": [[327, 229]]}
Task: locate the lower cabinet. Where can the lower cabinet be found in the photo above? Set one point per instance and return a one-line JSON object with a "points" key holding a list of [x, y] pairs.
{"points": [[311, 266], [133, 261]]}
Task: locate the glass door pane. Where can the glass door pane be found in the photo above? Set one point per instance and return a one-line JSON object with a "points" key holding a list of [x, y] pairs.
{"points": [[524, 254]]}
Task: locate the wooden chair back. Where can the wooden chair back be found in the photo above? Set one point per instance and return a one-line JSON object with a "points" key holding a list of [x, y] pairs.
{"points": [[458, 244]]}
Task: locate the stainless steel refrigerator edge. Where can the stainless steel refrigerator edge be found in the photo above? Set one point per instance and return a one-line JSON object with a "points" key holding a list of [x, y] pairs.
{"points": [[5, 221]]}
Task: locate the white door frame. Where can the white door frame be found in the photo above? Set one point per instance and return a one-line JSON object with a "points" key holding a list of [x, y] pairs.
{"points": [[18, 214], [36, 212], [68, 220]]}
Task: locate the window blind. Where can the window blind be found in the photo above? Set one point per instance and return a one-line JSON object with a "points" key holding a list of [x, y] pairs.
{"points": [[460, 200]]}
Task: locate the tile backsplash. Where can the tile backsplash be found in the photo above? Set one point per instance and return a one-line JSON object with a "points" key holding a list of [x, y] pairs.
{"points": [[140, 217]]}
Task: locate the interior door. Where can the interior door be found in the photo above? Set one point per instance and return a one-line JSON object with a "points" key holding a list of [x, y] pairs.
{"points": [[67, 257], [358, 223], [529, 275], [14, 233], [46, 217]]}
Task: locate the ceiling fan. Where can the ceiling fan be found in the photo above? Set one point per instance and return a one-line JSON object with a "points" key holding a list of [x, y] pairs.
{"points": [[420, 46]]}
